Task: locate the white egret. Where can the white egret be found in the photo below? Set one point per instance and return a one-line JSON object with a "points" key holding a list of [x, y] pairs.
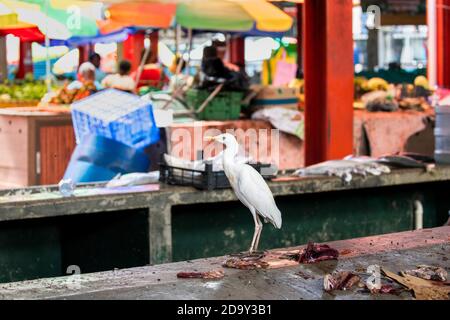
{"points": [[249, 187]]}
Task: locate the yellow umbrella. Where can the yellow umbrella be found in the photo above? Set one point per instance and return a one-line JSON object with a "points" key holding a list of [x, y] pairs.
{"points": [[8, 19], [7, 16]]}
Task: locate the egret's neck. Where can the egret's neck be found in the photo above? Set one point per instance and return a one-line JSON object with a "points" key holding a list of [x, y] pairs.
{"points": [[230, 153]]}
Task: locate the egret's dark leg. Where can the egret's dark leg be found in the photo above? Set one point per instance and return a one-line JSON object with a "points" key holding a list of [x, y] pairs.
{"points": [[260, 227]]}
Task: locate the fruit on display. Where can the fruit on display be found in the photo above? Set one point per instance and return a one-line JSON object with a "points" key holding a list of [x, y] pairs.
{"points": [[22, 91], [375, 84], [421, 81], [360, 84], [68, 96], [299, 85]]}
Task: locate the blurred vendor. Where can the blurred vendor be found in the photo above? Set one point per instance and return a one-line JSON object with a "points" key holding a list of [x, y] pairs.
{"points": [[221, 47], [122, 80], [86, 76], [216, 71], [78, 89], [96, 60], [212, 64]]}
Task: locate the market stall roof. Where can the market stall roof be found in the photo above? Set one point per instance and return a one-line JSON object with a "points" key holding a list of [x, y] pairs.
{"points": [[218, 15], [292, 1], [26, 32]]}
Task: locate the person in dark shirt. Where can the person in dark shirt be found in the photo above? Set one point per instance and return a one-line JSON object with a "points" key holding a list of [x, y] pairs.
{"points": [[221, 47], [212, 65]]}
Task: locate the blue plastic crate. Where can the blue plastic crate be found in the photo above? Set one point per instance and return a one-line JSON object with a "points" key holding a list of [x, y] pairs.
{"points": [[117, 115]]}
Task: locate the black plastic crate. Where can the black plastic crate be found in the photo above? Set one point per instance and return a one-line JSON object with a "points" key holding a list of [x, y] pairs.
{"points": [[203, 180]]}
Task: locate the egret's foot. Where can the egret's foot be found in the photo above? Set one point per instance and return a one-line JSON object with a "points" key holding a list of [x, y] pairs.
{"points": [[247, 255]]}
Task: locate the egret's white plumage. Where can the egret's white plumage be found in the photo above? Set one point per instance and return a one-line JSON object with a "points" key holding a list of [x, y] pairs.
{"points": [[250, 188]]}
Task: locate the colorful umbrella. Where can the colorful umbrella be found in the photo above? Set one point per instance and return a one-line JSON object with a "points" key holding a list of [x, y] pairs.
{"points": [[219, 15], [60, 19]]}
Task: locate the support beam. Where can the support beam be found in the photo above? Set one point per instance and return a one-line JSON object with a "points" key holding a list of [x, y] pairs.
{"points": [[372, 49], [154, 45], [237, 51], [84, 52], [120, 51], [160, 232], [300, 37], [132, 49], [328, 67], [25, 60], [431, 47], [443, 43], [3, 60]]}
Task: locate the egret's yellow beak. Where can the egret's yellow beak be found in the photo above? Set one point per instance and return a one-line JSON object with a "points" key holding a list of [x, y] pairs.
{"points": [[210, 138]]}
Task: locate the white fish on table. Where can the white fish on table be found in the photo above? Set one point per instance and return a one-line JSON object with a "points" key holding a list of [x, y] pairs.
{"points": [[345, 169]]}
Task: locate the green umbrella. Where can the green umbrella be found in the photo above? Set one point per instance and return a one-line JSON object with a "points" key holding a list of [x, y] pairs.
{"points": [[77, 18]]}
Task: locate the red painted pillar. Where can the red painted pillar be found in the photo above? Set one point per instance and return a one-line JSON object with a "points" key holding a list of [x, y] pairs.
{"points": [[132, 49], [328, 67], [237, 51], [300, 36], [443, 43], [25, 60], [84, 53], [154, 44]]}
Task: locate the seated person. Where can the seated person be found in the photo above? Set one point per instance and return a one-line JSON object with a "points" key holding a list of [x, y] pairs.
{"points": [[122, 80], [96, 60], [86, 76], [221, 47], [212, 65], [78, 89]]}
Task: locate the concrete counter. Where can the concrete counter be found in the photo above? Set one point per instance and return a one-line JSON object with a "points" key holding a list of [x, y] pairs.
{"points": [[158, 200], [45, 201], [41, 232], [395, 252]]}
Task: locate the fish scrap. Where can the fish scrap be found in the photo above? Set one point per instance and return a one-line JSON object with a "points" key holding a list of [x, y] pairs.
{"points": [[317, 252], [246, 263], [313, 253], [429, 273], [342, 280], [210, 275]]}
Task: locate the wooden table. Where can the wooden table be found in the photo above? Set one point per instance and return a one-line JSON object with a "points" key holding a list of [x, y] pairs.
{"points": [[35, 146]]}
